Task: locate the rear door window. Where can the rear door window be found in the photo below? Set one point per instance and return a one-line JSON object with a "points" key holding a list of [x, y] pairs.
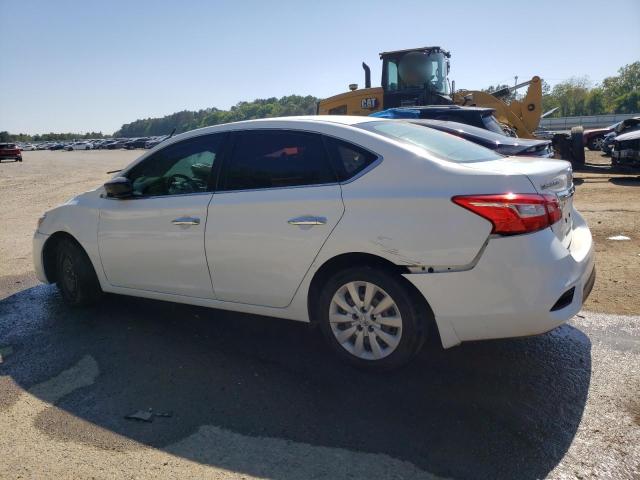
{"points": [[277, 159]]}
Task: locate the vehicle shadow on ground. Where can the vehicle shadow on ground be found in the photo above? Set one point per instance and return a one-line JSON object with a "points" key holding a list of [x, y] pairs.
{"points": [[499, 409], [626, 181], [629, 181]]}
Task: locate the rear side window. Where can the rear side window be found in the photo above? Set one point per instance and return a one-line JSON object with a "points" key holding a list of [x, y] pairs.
{"points": [[347, 159], [277, 159]]}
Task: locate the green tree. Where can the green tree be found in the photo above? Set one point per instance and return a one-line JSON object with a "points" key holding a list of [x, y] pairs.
{"points": [[571, 96], [188, 120]]}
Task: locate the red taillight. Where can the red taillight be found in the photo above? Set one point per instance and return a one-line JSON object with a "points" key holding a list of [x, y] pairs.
{"points": [[513, 213]]}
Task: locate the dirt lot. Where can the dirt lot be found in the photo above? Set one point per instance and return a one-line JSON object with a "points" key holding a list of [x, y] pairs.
{"points": [[251, 398], [610, 203]]}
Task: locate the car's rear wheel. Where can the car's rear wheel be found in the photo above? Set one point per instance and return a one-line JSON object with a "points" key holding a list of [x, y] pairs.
{"points": [[370, 318], [75, 276], [577, 146]]}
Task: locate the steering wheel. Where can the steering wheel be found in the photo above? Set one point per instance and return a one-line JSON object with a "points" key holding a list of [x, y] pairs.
{"points": [[192, 183]]}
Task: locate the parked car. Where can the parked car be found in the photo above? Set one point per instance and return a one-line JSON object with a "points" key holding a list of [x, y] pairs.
{"points": [[594, 138], [105, 143], [626, 149], [495, 141], [78, 146], [155, 141], [379, 231], [479, 117], [135, 143], [117, 144], [56, 146], [625, 126], [27, 147], [10, 151], [544, 134]]}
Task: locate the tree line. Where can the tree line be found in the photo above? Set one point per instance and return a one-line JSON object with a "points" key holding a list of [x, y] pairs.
{"points": [[188, 120], [578, 96], [575, 96], [48, 137]]}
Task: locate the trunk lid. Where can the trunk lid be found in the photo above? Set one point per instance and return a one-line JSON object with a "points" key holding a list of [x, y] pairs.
{"points": [[548, 176]]}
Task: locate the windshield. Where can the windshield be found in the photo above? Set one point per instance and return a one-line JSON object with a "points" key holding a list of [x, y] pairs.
{"points": [[418, 70], [443, 145]]}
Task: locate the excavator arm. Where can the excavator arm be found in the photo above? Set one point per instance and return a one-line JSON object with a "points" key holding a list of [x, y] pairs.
{"points": [[521, 115]]}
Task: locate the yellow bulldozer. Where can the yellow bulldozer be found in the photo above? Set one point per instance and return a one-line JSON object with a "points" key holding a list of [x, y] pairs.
{"points": [[420, 76]]}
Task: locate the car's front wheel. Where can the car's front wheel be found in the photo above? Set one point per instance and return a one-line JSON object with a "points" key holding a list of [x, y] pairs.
{"points": [[75, 276], [371, 319], [595, 143]]}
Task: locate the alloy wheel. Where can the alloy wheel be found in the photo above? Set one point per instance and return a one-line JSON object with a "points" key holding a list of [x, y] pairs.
{"points": [[365, 320], [597, 143]]}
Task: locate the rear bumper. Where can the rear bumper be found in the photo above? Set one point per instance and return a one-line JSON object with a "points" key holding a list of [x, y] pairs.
{"points": [[514, 287]]}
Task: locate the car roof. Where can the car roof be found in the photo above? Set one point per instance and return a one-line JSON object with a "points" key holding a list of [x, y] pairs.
{"points": [[340, 119], [279, 122]]}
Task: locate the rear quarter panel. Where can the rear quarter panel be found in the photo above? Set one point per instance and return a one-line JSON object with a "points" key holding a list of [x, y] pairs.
{"points": [[402, 211]]}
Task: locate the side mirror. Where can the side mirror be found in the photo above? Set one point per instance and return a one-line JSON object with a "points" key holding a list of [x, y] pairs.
{"points": [[119, 187]]}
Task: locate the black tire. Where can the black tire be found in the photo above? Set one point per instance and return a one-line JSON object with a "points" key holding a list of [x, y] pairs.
{"points": [[414, 316], [595, 143], [75, 277], [577, 146]]}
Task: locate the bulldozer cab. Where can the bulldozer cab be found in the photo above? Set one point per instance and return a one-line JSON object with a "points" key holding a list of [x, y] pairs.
{"points": [[418, 76]]}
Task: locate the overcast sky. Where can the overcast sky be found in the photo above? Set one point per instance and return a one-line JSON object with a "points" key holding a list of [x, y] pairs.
{"points": [[94, 65]]}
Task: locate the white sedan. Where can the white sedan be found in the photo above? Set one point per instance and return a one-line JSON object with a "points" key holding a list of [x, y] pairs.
{"points": [[79, 146], [379, 231]]}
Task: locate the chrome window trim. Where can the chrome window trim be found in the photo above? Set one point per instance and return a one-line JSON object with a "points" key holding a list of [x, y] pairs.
{"points": [[103, 195]]}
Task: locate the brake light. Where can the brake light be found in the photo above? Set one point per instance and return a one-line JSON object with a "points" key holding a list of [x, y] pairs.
{"points": [[513, 213]]}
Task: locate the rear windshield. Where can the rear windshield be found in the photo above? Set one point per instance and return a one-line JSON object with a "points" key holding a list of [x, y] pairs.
{"points": [[443, 145], [7, 145], [490, 123]]}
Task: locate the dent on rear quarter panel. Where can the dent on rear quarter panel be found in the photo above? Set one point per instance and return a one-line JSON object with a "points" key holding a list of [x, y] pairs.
{"points": [[402, 211]]}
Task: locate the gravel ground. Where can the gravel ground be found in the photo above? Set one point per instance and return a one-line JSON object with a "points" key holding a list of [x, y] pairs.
{"points": [[560, 405]]}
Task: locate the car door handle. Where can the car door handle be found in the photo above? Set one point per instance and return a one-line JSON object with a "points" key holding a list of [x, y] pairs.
{"points": [[186, 221], [307, 220]]}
